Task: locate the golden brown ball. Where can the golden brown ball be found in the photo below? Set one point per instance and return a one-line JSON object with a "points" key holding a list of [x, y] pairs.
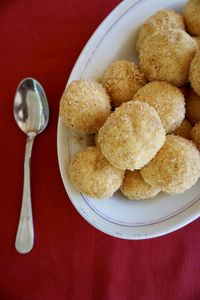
{"points": [[193, 108], [192, 17], [93, 175], [135, 188], [184, 129], [161, 20], [121, 80], [131, 136], [194, 76], [166, 55], [167, 100], [85, 106], [175, 168]]}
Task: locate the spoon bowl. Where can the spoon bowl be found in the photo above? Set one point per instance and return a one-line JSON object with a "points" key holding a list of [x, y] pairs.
{"points": [[31, 113], [31, 109]]}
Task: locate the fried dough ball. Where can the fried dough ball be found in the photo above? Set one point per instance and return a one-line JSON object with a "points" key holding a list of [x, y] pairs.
{"points": [[195, 73], [85, 106], [121, 80], [135, 188], [175, 168], [184, 129], [166, 55], [192, 17], [161, 20], [131, 136], [167, 100], [195, 134], [193, 108], [93, 175]]}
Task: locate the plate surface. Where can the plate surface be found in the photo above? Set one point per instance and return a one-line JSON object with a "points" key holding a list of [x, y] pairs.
{"points": [[119, 217]]}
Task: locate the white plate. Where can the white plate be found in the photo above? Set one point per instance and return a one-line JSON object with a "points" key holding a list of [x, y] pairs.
{"points": [[119, 217]]}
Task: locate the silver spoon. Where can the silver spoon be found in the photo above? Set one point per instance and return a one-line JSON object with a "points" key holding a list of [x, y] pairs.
{"points": [[31, 112]]}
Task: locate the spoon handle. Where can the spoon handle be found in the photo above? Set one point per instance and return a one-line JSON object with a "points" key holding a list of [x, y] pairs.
{"points": [[25, 233]]}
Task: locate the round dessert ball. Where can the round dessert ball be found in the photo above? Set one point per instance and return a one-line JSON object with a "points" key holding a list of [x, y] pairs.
{"points": [[166, 55], [184, 129], [93, 175], [193, 108], [195, 134], [167, 100], [192, 17], [195, 73], [85, 106], [175, 168], [131, 136], [135, 188], [121, 80], [161, 20]]}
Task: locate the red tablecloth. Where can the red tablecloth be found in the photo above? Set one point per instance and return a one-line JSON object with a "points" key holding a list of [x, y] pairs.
{"points": [[70, 259]]}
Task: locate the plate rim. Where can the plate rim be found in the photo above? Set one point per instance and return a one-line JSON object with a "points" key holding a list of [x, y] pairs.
{"points": [[121, 9]]}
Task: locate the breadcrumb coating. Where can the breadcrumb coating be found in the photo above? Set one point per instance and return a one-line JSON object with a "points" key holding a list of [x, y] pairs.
{"points": [[194, 76], [175, 168], [166, 56], [121, 80], [131, 136], [184, 129], [135, 188], [167, 100], [192, 17], [160, 95], [161, 20], [93, 175], [85, 106]]}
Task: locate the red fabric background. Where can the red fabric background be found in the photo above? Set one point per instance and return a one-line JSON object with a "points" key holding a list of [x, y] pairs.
{"points": [[71, 259]]}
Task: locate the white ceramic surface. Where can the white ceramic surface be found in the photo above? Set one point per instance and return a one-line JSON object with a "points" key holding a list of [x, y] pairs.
{"points": [[119, 217]]}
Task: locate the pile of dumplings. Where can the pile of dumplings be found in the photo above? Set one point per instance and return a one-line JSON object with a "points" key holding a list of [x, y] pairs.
{"points": [[145, 117]]}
